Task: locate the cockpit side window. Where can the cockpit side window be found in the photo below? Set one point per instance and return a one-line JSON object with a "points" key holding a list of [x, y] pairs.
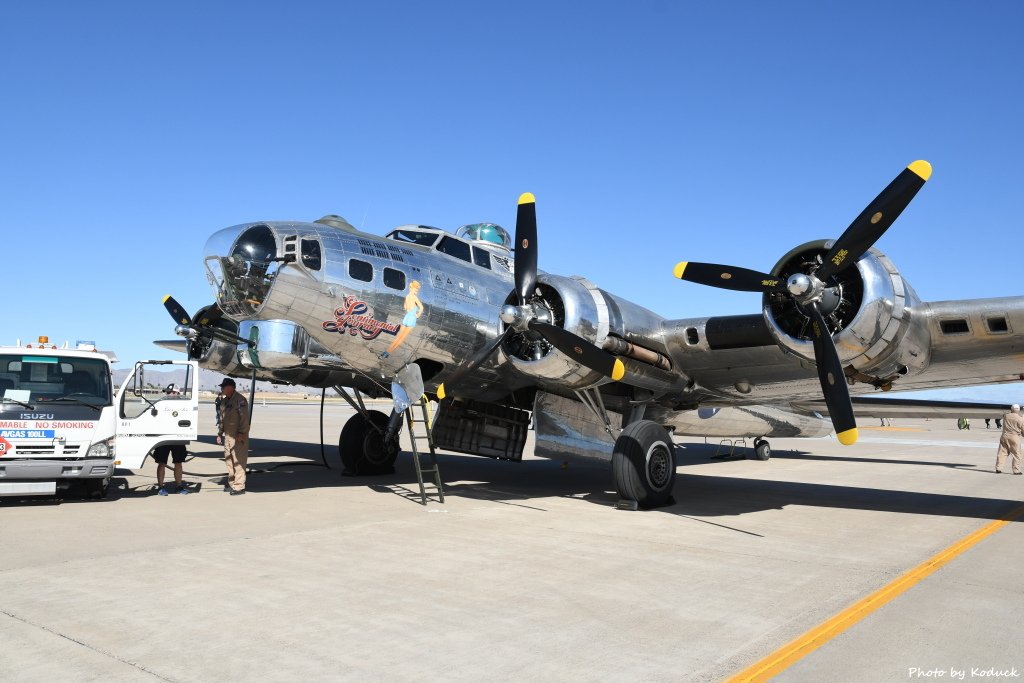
{"points": [[360, 270], [454, 247], [311, 257], [482, 258]]}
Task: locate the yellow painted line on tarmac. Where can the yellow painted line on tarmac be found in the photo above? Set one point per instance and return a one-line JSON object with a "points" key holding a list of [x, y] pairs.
{"points": [[797, 649], [894, 429]]}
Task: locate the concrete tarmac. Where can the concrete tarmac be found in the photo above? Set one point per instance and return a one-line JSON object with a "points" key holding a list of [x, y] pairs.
{"points": [[526, 572]]}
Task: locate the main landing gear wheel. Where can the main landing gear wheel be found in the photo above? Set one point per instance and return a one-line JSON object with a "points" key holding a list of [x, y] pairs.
{"points": [[363, 450], [762, 451], [644, 464]]}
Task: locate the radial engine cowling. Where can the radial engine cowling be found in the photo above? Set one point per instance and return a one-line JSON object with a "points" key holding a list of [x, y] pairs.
{"points": [[216, 354], [620, 327], [574, 304], [869, 312]]}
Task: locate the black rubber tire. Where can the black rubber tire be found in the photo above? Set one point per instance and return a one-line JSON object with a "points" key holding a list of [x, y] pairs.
{"points": [[762, 450], [644, 464], [362, 447], [97, 489]]}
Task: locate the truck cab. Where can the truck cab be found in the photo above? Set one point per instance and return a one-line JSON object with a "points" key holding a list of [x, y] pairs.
{"points": [[62, 423]]}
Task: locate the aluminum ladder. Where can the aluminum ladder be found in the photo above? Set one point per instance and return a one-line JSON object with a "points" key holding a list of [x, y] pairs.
{"points": [[416, 436]]}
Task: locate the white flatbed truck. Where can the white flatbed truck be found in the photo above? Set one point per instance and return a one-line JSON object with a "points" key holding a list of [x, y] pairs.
{"points": [[63, 425]]}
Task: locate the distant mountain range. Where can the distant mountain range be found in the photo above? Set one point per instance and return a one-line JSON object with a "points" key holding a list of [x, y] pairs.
{"points": [[208, 380]]}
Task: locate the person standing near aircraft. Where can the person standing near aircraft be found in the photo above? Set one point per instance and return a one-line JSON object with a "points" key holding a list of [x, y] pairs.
{"points": [[160, 454], [216, 408], [234, 434], [413, 310], [1009, 441]]}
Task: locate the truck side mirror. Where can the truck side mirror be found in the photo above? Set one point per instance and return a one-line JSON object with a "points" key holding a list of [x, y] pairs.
{"points": [[137, 383]]}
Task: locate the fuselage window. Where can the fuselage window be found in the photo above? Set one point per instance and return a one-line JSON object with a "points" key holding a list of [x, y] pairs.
{"points": [[311, 254], [395, 279], [482, 258], [454, 247], [360, 270]]}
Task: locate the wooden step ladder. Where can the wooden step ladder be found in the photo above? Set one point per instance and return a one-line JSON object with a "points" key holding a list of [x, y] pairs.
{"points": [[418, 436]]}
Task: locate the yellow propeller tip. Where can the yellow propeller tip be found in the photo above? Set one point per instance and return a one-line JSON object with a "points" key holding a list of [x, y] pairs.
{"points": [[527, 198], [921, 168], [440, 392], [166, 297], [618, 370], [679, 269], [848, 438]]}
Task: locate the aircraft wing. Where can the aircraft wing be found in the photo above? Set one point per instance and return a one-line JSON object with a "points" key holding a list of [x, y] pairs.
{"points": [[979, 341], [171, 344], [739, 360]]}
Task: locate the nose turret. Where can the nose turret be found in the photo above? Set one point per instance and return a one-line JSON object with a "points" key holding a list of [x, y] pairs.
{"points": [[242, 263]]}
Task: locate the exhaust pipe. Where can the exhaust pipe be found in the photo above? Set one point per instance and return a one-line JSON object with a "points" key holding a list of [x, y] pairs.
{"points": [[621, 347]]}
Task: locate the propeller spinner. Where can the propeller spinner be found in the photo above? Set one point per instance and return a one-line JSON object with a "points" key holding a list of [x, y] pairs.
{"points": [[808, 289]]}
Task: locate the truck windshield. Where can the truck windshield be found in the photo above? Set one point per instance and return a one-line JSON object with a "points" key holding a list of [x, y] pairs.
{"points": [[31, 378]]}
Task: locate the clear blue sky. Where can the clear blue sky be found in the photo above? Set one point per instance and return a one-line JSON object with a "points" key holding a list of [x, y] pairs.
{"points": [[651, 132]]}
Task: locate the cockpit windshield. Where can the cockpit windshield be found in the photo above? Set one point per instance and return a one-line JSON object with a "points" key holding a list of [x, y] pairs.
{"points": [[413, 236], [242, 278], [486, 232]]}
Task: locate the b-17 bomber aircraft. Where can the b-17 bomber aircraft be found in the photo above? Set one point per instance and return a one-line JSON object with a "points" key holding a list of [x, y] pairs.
{"points": [[468, 320]]}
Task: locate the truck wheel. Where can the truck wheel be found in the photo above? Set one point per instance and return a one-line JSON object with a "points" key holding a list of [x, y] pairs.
{"points": [[97, 488], [644, 464], [762, 450], [362, 447]]}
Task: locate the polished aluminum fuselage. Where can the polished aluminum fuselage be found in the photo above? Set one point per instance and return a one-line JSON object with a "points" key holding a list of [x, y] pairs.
{"points": [[324, 327]]}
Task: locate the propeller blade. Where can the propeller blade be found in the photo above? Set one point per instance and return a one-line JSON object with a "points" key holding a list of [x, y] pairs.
{"points": [[471, 364], [833, 380], [583, 351], [727, 277], [875, 219], [179, 314], [526, 247]]}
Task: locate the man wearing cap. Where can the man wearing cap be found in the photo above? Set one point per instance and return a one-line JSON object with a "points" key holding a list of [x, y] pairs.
{"points": [[234, 434], [1009, 441]]}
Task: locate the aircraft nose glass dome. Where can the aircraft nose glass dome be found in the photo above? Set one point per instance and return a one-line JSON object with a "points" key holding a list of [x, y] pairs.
{"points": [[486, 232], [243, 278], [256, 244]]}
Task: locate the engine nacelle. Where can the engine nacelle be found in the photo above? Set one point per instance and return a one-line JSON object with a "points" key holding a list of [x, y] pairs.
{"points": [[216, 354], [868, 308], [229, 358], [574, 304], [577, 305]]}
